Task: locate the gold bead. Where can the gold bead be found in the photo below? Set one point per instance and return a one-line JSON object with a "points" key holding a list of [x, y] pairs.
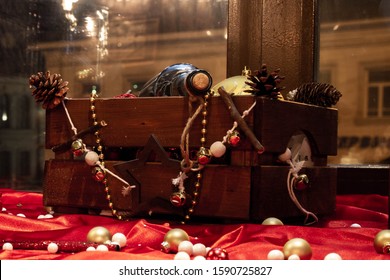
{"points": [[197, 185], [92, 99], [193, 202], [204, 131], [101, 156], [107, 190], [196, 194], [93, 115], [96, 133], [199, 176], [191, 210], [98, 141], [187, 217], [204, 122], [114, 212], [204, 113], [100, 148], [203, 140], [95, 123], [110, 204], [119, 217], [108, 197]]}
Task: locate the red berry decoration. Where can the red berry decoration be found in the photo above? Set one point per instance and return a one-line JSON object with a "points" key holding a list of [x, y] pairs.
{"points": [[204, 156], [217, 254], [234, 139]]}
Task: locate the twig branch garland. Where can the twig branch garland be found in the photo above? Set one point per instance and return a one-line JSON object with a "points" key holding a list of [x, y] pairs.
{"points": [[67, 145], [240, 121]]}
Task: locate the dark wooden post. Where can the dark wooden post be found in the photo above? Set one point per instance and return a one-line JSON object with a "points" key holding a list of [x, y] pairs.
{"points": [[278, 33]]}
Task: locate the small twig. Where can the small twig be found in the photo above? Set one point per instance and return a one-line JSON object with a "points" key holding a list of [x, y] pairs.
{"points": [[240, 121], [68, 144]]}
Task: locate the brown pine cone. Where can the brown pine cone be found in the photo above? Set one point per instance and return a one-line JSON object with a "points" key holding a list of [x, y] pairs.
{"points": [[264, 84], [48, 89], [320, 94]]}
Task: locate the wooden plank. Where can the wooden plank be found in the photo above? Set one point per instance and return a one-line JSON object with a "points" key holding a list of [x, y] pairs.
{"points": [[68, 185], [132, 121]]}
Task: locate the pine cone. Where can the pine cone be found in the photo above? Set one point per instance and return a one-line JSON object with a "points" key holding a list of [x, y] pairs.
{"points": [[48, 89], [319, 94], [263, 84]]}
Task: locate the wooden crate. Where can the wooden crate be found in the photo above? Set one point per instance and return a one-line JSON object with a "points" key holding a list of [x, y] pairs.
{"points": [[243, 185]]}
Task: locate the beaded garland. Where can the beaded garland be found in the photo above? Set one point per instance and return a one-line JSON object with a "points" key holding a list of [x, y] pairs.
{"points": [[204, 155], [99, 169]]}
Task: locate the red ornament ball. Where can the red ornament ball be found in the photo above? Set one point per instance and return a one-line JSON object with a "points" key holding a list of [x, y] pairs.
{"points": [[203, 159], [217, 254], [178, 199]]}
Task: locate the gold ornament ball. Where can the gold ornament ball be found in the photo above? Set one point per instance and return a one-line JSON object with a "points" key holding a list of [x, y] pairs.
{"points": [[299, 247], [272, 221], [99, 235], [172, 239], [382, 242]]}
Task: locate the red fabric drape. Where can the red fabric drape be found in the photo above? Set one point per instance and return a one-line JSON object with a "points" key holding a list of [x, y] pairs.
{"points": [[242, 241]]}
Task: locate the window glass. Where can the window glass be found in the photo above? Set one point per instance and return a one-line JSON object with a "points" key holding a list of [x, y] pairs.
{"points": [[111, 46], [373, 102], [354, 42]]}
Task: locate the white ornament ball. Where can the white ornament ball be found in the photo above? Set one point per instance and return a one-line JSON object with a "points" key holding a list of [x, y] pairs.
{"points": [[21, 215], [52, 248], [199, 250], [182, 256], [285, 156], [8, 246], [333, 256], [355, 226], [48, 216], [186, 246], [275, 255], [90, 249], [120, 238], [102, 248], [91, 158], [41, 217], [199, 258], [217, 149], [294, 257]]}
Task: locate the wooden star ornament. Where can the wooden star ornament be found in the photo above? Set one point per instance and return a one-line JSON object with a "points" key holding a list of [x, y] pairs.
{"points": [[152, 174]]}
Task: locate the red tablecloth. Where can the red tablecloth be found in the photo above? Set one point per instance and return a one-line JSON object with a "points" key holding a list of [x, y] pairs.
{"points": [[242, 241]]}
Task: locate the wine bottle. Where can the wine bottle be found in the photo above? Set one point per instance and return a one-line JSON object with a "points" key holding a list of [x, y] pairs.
{"points": [[180, 79]]}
